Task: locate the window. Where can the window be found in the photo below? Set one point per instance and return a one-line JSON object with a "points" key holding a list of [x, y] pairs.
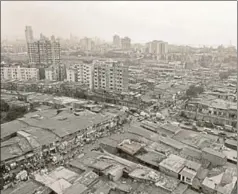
{"points": [[188, 180]]}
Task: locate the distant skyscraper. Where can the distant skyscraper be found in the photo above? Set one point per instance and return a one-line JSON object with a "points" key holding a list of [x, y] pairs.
{"points": [[87, 44], [117, 41], [126, 43], [157, 47], [29, 34]]}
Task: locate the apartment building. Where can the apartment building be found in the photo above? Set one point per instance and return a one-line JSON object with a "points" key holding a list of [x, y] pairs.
{"points": [[85, 73], [157, 47], [117, 41], [110, 76], [71, 74], [56, 72], [44, 51], [19, 73], [50, 74], [87, 44], [126, 43]]}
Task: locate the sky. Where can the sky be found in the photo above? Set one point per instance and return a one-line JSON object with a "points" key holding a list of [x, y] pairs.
{"points": [[182, 22]]}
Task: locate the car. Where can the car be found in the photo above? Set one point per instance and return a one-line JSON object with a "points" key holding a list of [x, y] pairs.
{"points": [[203, 132], [207, 129], [222, 134]]}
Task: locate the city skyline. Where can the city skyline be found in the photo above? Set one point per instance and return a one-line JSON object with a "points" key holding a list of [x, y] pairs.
{"points": [[104, 19]]}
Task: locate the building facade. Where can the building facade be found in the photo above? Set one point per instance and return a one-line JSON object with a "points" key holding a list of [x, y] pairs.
{"points": [[71, 74], [56, 72], [117, 41], [19, 73], [126, 43], [110, 76], [29, 34], [87, 44], [157, 47], [216, 111], [44, 51], [85, 74]]}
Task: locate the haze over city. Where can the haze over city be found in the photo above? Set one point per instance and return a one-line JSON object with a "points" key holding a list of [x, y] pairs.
{"points": [[193, 23], [118, 97]]}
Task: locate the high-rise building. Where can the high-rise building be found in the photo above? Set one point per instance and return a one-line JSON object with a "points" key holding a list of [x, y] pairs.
{"points": [[117, 41], [44, 51], [29, 34], [157, 47], [71, 74], [126, 43], [87, 44], [85, 73], [110, 76]]}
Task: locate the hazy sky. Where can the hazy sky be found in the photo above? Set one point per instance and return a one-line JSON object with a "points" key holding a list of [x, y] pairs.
{"points": [[209, 23]]}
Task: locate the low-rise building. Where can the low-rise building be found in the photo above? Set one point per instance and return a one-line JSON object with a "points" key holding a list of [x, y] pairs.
{"points": [[181, 168], [216, 111], [223, 183], [19, 73], [216, 158]]}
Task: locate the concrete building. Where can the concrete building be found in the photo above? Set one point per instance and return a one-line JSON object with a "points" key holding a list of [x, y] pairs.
{"points": [[110, 76], [50, 74], [216, 111], [85, 74], [178, 167], [223, 183], [126, 43], [216, 158], [29, 34], [55, 72], [71, 74], [117, 41], [44, 51], [19, 73], [87, 44], [157, 47]]}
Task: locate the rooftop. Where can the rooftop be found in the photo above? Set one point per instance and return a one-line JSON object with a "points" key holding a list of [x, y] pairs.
{"points": [[160, 179], [130, 147], [176, 164], [173, 163], [76, 188], [222, 183], [151, 157], [65, 123], [11, 127], [214, 152], [29, 187]]}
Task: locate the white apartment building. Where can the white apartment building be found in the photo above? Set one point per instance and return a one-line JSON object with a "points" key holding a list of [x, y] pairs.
{"points": [[71, 74], [110, 76], [19, 73], [51, 73], [85, 74], [157, 47]]}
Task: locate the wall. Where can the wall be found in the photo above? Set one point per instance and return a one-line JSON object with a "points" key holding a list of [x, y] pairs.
{"points": [[215, 160], [168, 172]]}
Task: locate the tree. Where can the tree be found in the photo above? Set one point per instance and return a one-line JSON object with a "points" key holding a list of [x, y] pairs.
{"points": [[15, 113], [42, 73], [4, 106], [224, 75], [193, 90]]}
